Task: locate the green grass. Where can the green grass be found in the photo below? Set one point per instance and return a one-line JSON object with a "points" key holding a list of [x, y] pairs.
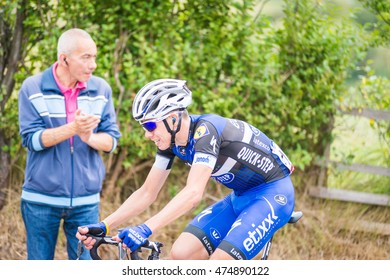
{"points": [[356, 141]]}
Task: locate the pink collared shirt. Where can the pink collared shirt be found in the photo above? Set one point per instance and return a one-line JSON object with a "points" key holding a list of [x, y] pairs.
{"points": [[70, 95]]}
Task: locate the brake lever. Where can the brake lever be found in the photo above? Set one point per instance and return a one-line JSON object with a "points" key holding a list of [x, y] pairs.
{"points": [[154, 247], [80, 249]]}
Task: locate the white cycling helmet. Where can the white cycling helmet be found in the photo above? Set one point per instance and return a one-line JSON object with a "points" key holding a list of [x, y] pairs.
{"points": [[160, 97]]}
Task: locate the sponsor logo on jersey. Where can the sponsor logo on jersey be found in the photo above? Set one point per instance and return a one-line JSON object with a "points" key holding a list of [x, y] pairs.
{"points": [[237, 223], [182, 150], [225, 178], [236, 254], [213, 143], [260, 230], [281, 199], [205, 159], [215, 233], [282, 156], [201, 131], [254, 158], [205, 212], [207, 244], [261, 144], [234, 123], [255, 130]]}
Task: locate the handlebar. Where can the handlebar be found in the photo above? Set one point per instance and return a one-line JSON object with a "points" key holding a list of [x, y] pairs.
{"points": [[154, 248]]}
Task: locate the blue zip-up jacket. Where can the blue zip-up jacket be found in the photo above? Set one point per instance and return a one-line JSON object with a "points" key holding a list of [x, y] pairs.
{"points": [[62, 176]]}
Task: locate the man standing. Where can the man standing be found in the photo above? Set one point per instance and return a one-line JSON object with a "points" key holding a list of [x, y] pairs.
{"points": [[66, 117]]}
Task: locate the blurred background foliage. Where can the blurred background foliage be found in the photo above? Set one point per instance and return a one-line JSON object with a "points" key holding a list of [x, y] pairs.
{"points": [[287, 67]]}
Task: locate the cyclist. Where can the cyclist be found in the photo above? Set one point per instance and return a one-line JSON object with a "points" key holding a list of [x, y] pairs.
{"points": [[232, 152]]}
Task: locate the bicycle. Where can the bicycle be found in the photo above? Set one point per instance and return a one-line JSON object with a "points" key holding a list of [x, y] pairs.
{"points": [[155, 247]]}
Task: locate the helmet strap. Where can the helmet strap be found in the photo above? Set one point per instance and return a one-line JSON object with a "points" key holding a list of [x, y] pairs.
{"points": [[173, 132]]}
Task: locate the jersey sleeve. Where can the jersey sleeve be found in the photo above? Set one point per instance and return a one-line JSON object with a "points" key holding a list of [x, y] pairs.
{"points": [[207, 144], [164, 159]]}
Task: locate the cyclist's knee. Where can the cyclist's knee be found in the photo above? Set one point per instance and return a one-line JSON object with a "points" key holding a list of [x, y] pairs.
{"points": [[220, 255], [180, 253], [177, 254], [183, 253], [188, 247]]}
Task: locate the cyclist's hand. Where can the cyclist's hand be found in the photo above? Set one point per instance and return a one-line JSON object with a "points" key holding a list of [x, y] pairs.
{"points": [[134, 237], [99, 229]]}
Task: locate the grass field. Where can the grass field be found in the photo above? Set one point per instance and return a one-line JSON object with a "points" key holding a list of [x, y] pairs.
{"points": [[329, 230], [356, 141]]}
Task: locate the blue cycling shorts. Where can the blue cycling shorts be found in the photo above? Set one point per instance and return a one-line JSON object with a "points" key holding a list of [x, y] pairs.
{"points": [[242, 224]]}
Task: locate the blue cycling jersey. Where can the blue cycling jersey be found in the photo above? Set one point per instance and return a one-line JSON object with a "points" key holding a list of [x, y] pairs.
{"points": [[241, 156], [245, 160]]}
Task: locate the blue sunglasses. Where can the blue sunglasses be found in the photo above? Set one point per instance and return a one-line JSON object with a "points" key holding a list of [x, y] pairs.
{"points": [[149, 126], [152, 125]]}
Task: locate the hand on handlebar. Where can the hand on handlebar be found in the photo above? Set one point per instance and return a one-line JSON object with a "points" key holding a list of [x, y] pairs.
{"points": [[98, 230], [134, 237]]}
